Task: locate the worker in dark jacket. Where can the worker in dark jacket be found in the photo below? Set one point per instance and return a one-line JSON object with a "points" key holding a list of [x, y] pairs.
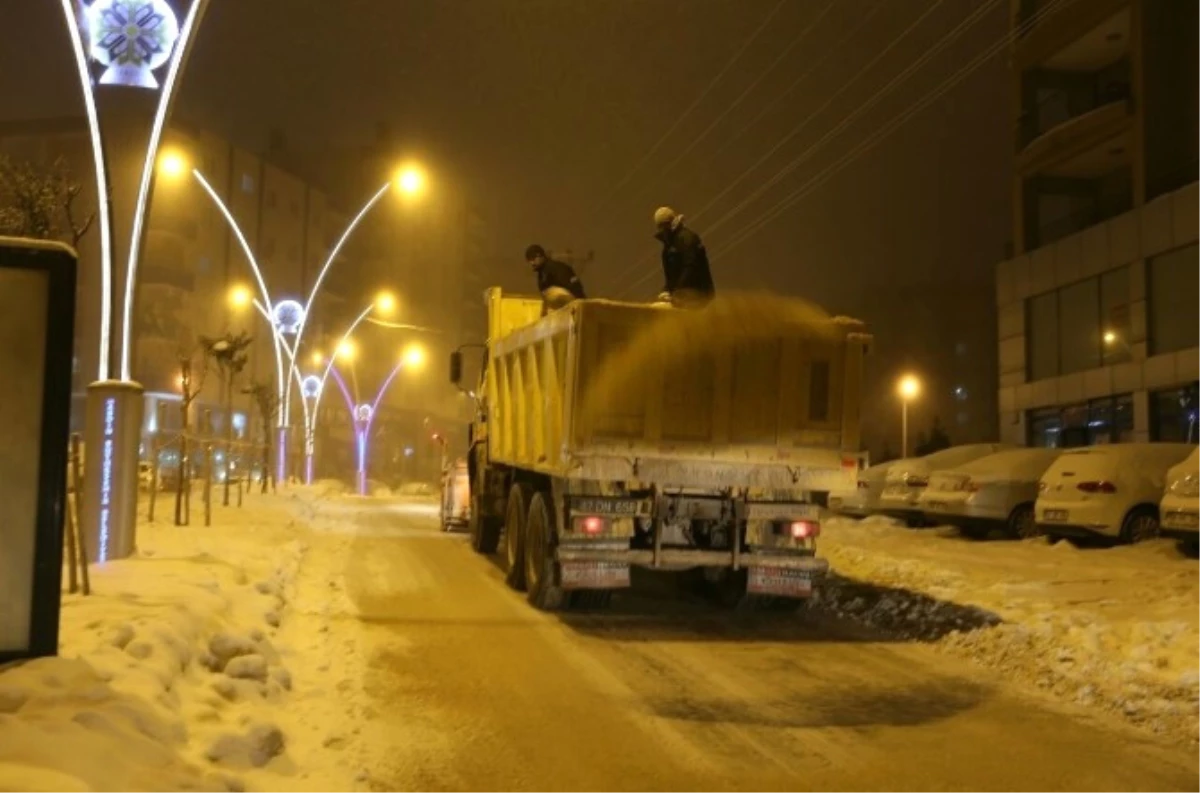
{"points": [[687, 278], [556, 281]]}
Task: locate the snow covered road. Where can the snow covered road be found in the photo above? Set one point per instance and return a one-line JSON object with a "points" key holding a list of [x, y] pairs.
{"points": [[416, 668]]}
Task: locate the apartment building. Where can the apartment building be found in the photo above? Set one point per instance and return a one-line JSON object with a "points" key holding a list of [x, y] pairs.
{"points": [[1097, 309]]}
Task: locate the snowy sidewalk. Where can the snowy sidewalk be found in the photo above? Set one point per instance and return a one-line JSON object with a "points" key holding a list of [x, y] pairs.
{"points": [[1110, 627], [168, 676]]}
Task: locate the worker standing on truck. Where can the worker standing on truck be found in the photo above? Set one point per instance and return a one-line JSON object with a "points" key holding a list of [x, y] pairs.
{"points": [[687, 280], [556, 281]]}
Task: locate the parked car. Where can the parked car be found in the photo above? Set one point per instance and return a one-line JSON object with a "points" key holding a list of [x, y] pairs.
{"points": [[1111, 491], [907, 478], [1179, 510], [456, 496], [993, 492], [864, 500]]}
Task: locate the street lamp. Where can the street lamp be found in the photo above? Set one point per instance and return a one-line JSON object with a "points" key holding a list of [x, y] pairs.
{"points": [[172, 164], [908, 387], [410, 180], [413, 356], [240, 297]]}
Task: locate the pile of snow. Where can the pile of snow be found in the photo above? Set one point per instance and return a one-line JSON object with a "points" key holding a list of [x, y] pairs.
{"points": [[328, 487], [1116, 628], [168, 676]]}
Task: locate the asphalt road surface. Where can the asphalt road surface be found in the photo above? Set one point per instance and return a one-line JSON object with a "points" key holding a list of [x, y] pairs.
{"points": [[462, 685]]}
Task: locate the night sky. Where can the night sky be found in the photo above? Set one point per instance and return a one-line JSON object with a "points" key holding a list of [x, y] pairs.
{"points": [[553, 115]]}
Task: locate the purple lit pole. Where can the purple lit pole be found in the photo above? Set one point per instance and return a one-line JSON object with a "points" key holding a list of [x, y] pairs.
{"points": [[363, 417]]}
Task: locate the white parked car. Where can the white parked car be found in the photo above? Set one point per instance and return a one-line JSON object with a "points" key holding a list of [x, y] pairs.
{"points": [[1179, 510], [1111, 491], [993, 492], [907, 478], [864, 499]]}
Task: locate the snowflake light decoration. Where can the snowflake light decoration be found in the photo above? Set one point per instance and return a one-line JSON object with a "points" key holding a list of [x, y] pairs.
{"points": [[131, 38], [363, 413], [288, 316], [310, 387]]}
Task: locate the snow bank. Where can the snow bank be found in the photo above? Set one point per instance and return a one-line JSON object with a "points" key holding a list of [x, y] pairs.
{"points": [[1115, 628], [168, 677]]}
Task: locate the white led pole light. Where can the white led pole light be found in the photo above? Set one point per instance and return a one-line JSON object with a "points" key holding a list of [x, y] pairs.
{"points": [[128, 55]]}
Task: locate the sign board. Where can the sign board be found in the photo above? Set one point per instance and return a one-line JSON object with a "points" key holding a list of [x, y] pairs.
{"points": [[37, 321]]}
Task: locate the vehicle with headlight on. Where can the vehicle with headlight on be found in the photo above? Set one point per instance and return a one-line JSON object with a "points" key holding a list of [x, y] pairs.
{"points": [[1107, 491], [1179, 510], [456, 496], [993, 492], [908, 478], [615, 435]]}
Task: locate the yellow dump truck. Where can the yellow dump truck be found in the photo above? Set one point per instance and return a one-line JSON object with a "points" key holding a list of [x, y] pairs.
{"points": [[611, 435]]}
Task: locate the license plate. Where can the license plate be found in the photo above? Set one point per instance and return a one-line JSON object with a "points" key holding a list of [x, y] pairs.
{"points": [[594, 575], [1055, 515], [1180, 519], [779, 581], [605, 506]]}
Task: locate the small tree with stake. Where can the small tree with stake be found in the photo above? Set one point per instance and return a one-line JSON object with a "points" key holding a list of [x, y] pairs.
{"points": [[40, 203], [229, 354], [190, 385], [267, 402]]}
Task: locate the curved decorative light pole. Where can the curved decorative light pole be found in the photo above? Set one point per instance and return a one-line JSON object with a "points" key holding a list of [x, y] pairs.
{"points": [[290, 317], [128, 55]]}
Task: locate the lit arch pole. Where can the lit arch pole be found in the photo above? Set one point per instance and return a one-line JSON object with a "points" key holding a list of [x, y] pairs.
{"points": [[128, 56], [363, 417]]}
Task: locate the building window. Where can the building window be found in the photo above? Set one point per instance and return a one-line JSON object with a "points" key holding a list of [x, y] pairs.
{"points": [[1043, 336], [1174, 283], [1105, 420], [247, 183], [1080, 326], [1173, 414]]}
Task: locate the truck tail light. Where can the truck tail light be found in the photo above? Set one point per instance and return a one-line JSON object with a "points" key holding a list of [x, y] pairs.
{"points": [[803, 529], [591, 525], [1097, 487]]}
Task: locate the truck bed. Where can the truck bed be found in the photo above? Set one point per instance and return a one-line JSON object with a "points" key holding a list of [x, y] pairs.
{"points": [[750, 392]]}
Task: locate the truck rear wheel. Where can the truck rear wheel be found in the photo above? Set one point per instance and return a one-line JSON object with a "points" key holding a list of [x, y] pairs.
{"points": [[515, 519], [485, 529], [540, 569]]}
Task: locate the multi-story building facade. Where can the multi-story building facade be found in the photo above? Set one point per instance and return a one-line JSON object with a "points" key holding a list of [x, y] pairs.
{"points": [[191, 260], [1097, 309]]}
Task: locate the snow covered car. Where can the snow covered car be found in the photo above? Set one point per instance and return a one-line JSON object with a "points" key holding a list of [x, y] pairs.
{"points": [[456, 496], [993, 492], [864, 499], [1180, 507], [907, 478], [1110, 491]]}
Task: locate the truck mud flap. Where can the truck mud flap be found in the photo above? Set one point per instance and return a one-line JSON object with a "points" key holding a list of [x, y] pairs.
{"points": [[782, 581], [593, 575]]}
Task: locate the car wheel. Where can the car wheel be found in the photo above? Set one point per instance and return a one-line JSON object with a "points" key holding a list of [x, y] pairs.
{"points": [[514, 534], [1022, 523], [1140, 524]]}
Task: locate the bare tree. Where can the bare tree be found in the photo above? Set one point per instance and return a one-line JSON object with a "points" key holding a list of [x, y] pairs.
{"points": [[40, 202], [228, 352], [190, 385], [267, 402]]}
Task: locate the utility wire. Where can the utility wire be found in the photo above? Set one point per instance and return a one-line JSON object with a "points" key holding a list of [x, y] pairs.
{"points": [[927, 56], [695, 103], [882, 132]]}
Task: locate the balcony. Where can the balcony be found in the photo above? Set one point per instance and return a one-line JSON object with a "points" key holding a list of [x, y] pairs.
{"points": [[1082, 35], [1083, 146]]}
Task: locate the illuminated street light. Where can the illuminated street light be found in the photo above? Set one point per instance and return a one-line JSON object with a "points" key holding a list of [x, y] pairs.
{"points": [[909, 388], [410, 180], [172, 164], [1110, 337], [318, 358], [240, 296], [347, 349], [414, 356], [385, 302]]}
